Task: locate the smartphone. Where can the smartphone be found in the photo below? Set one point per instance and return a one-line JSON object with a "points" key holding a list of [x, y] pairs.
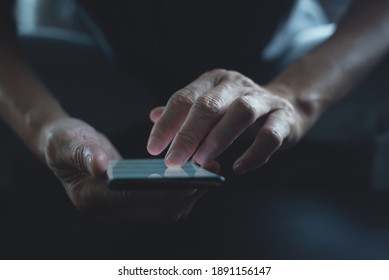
{"points": [[154, 174]]}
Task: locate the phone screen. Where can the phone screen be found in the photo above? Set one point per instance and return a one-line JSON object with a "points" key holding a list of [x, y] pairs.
{"points": [[153, 173]]}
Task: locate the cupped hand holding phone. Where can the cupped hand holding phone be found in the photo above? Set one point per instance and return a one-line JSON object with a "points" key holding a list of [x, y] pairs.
{"points": [[79, 155]]}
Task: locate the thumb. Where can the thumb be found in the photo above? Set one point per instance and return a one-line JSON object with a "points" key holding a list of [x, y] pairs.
{"points": [[88, 157]]}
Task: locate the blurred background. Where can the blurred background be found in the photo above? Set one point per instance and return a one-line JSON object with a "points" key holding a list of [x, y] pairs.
{"points": [[326, 198]]}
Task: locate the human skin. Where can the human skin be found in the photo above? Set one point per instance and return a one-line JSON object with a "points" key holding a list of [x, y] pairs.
{"points": [[204, 118], [273, 115], [75, 151]]}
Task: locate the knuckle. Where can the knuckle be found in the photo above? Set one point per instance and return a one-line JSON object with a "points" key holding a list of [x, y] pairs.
{"points": [[183, 99], [163, 126], [286, 106], [216, 75], [187, 136], [234, 74], [226, 87], [245, 109], [273, 136], [209, 105], [217, 72], [237, 77], [248, 83]]}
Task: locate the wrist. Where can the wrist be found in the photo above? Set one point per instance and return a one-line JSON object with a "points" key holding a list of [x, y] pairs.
{"points": [[307, 104]]}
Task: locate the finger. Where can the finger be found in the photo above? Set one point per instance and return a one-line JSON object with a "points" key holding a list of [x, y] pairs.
{"points": [[205, 112], [242, 113], [88, 157], [156, 113], [175, 113], [269, 139], [212, 166], [68, 153], [109, 149]]}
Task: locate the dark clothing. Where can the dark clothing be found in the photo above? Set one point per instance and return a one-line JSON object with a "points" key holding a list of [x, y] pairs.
{"points": [[187, 38], [6, 13], [183, 39]]}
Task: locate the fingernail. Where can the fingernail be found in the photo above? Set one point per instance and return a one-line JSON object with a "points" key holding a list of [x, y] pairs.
{"points": [[175, 158]]}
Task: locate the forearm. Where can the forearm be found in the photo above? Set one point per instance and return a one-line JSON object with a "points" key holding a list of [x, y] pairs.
{"points": [[25, 103], [327, 73]]}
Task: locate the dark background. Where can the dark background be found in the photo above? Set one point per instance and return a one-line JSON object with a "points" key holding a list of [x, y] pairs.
{"points": [[323, 199]]}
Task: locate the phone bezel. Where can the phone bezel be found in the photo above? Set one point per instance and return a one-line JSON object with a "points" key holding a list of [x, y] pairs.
{"points": [[161, 183]]}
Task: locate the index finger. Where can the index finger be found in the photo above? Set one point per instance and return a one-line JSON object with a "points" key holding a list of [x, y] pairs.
{"points": [[201, 119], [175, 113]]}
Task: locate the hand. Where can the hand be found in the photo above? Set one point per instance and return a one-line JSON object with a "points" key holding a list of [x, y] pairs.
{"points": [[204, 118], [78, 155]]}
